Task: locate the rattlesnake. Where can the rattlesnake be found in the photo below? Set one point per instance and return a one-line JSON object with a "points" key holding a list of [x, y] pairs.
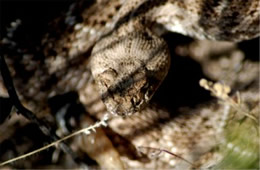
{"points": [[129, 61], [129, 64]]}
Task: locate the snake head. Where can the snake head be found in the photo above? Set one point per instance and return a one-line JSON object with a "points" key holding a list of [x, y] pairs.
{"points": [[128, 69]]}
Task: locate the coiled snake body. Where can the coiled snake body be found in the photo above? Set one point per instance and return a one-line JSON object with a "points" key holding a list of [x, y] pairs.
{"points": [[128, 62]]}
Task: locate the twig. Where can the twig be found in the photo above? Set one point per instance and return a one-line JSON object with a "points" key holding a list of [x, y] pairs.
{"points": [[157, 151], [84, 130], [221, 91], [8, 82]]}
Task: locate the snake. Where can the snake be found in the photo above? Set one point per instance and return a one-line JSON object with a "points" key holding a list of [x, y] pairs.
{"points": [[117, 59]]}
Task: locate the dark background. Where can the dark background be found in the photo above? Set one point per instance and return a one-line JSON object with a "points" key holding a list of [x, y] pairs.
{"points": [[35, 14]]}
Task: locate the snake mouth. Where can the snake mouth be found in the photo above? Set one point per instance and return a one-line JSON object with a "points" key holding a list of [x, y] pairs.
{"points": [[125, 99], [124, 107], [125, 96]]}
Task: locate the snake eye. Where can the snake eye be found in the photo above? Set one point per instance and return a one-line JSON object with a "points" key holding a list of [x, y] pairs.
{"points": [[107, 77]]}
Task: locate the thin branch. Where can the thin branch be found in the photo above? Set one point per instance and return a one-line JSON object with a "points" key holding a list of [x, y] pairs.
{"points": [[157, 151], [84, 130], [8, 82], [177, 156]]}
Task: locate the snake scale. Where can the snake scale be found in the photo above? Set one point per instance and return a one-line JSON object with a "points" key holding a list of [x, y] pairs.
{"points": [[115, 59]]}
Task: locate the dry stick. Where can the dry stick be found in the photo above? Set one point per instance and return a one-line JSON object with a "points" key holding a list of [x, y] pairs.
{"points": [[168, 152], [86, 130], [177, 156], [8, 82]]}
